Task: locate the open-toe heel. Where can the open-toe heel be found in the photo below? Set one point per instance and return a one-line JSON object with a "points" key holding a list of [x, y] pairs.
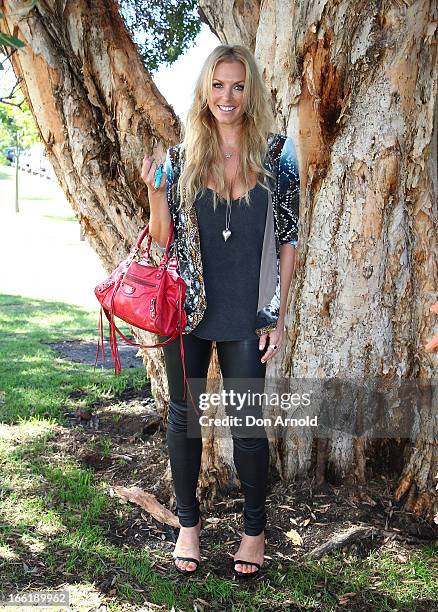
{"points": [[191, 559], [246, 575]]}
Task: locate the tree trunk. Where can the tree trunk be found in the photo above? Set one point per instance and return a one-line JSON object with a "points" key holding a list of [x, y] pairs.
{"points": [[355, 85], [97, 111]]}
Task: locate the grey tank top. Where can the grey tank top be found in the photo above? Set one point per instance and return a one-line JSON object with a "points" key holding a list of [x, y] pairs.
{"points": [[232, 268]]}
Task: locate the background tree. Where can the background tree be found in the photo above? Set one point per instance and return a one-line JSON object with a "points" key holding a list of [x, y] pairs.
{"points": [[18, 130], [161, 29], [15, 119], [355, 85], [15, 131]]}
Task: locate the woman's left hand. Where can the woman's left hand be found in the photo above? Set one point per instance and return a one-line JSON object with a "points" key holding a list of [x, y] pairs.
{"points": [[274, 339]]}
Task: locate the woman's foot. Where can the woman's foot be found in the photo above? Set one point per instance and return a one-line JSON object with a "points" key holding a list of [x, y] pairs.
{"points": [[252, 548], [187, 545]]}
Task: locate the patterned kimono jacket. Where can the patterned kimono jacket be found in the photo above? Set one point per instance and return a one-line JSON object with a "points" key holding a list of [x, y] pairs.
{"points": [[281, 227]]}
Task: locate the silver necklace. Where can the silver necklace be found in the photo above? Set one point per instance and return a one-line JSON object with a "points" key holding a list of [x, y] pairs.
{"points": [[226, 233], [228, 155]]}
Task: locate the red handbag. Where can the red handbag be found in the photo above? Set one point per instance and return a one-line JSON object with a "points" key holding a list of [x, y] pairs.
{"points": [[146, 296]]}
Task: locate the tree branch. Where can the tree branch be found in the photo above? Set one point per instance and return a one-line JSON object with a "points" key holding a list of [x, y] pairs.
{"points": [[5, 101], [11, 95]]}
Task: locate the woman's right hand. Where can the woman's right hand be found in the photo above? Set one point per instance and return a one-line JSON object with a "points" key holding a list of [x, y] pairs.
{"points": [[148, 176]]}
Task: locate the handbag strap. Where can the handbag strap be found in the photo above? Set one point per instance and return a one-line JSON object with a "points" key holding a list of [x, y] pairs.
{"points": [[145, 233], [113, 325], [115, 352], [114, 330]]}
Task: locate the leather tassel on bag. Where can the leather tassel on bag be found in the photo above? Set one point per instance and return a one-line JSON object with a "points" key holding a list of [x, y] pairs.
{"points": [[145, 296]]}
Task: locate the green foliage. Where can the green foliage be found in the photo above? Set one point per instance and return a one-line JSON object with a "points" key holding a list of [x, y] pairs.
{"points": [[12, 42], [162, 29], [17, 126]]}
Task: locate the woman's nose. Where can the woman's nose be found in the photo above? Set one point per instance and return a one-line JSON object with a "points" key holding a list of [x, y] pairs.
{"points": [[228, 97]]}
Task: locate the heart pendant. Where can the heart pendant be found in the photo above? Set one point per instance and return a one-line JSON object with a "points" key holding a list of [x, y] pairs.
{"points": [[226, 234]]}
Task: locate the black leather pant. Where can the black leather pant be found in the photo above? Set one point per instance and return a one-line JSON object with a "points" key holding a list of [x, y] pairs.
{"points": [[238, 359]]}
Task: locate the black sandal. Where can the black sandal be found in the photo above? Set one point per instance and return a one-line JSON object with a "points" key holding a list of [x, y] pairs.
{"points": [[191, 559], [246, 574]]}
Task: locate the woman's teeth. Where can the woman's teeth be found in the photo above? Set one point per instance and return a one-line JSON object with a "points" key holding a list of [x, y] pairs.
{"points": [[226, 109]]}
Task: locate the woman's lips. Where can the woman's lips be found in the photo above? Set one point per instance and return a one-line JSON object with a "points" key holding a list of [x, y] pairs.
{"points": [[226, 111]]}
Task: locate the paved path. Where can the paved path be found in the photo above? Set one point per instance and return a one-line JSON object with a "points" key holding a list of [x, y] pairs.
{"points": [[40, 252]]}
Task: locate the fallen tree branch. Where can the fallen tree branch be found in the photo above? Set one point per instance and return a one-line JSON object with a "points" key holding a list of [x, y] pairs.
{"points": [[344, 538], [351, 535], [148, 502]]}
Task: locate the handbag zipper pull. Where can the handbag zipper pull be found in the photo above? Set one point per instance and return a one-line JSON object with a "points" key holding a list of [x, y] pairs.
{"points": [[152, 308]]}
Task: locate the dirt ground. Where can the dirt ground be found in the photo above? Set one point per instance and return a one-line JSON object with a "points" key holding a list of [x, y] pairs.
{"points": [[138, 437], [315, 512], [81, 351]]}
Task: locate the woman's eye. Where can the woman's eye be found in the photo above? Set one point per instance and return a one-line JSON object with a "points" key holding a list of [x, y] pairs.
{"points": [[240, 87]]}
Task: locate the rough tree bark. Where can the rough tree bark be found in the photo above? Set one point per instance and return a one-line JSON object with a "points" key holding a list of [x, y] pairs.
{"points": [[355, 84], [97, 110]]}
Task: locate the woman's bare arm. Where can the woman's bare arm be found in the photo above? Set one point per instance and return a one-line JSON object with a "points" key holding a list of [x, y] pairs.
{"points": [[159, 217]]}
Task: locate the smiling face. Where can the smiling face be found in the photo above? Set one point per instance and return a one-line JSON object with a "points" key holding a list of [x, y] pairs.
{"points": [[227, 92]]}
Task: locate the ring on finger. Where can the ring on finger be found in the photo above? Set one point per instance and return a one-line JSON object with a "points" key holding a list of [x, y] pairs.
{"points": [[157, 176], [273, 347]]}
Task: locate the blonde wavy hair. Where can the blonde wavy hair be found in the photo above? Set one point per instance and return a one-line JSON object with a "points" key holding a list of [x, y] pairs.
{"points": [[201, 155]]}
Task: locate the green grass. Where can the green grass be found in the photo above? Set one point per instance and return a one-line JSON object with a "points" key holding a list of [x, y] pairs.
{"points": [[31, 188], [103, 445], [35, 380], [35, 198], [59, 509], [61, 218], [54, 512]]}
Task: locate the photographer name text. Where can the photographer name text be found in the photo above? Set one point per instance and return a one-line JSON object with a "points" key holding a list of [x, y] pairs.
{"points": [[250, 420]]}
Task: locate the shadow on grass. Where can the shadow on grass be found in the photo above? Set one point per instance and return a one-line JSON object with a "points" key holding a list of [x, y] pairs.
{"points": [[79, 552], [35, 314], [66, 531], [60, 526], [35, 380]]}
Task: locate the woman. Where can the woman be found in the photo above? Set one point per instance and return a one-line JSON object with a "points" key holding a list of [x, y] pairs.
{"points": [[232, 190]]}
